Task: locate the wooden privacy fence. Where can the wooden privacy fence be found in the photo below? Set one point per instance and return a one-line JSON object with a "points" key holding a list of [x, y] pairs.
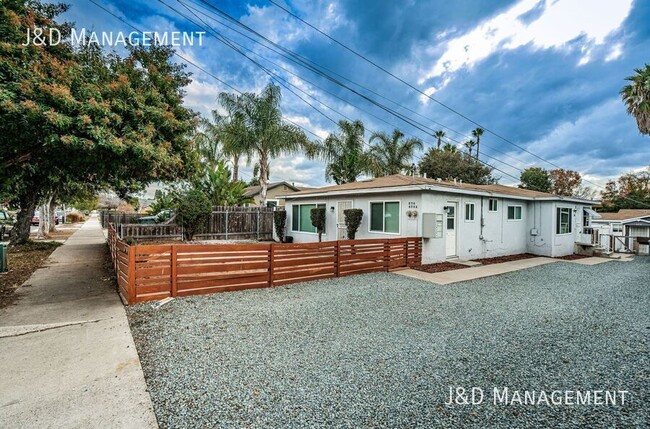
{"points": [[150, 272], [225, 223]]}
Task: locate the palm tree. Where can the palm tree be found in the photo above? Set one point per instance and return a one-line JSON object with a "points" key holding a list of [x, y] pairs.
{"points": [[469, 144], [448, 147], [392, 154], [439, 135], [261, 132], [343, 152], [477, 133], [636, 97]]}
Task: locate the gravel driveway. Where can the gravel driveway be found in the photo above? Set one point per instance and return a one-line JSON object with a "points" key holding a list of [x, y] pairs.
{"points": [[382, 350]]}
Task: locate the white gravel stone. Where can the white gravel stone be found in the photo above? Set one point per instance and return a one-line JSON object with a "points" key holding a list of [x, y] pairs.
{"points": [[381, 350]]}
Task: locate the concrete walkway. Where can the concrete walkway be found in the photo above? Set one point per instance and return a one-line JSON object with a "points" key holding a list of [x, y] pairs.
{"points": [[480, 271], [463, 274], [66, 350]]}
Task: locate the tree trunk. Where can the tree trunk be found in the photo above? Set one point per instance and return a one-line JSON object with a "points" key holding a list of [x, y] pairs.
{"points": [[235, 168], [20, 234], [43, 221], [478, 146], [52, 210], [264, 180]]}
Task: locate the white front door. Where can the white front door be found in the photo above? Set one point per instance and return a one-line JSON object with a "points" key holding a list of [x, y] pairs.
{"points": [[452, 213], [341, 230]]}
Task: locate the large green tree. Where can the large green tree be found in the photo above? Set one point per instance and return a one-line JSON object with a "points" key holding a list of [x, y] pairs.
{"points": [[342, 152], [535, 179], [391, 154], [452, 164], [263, 133], [81, 116], [630, 191], [636, 96]]}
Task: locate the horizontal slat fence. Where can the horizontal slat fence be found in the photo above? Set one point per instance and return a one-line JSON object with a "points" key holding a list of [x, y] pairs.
{"points": [[150, 272]]}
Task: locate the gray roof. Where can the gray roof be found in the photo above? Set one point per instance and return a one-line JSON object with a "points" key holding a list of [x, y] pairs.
{"points": [[254, 190]]}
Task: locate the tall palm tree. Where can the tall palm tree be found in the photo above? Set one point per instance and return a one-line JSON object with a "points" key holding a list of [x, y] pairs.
{"points": [[343, 152], [392, 154], [439, 135], [469, 144], [262, 132], [477, 133], [636, 97]]}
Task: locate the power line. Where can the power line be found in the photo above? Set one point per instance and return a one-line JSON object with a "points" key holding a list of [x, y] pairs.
{"points": [[271, 74], [344, 46]]}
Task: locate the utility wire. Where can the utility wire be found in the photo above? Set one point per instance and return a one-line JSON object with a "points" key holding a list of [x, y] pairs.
{"points": [[284, 82]]}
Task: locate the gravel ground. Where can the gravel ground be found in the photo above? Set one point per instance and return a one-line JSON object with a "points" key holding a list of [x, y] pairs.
{"points": [[381, 350]]}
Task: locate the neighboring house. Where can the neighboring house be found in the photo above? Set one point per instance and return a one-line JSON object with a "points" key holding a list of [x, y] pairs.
{"points": [[624, 223], [456, 220], [274, 193]]}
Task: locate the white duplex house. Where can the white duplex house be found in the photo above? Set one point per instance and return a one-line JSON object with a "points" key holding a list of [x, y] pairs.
{"points": [[455, 220]]}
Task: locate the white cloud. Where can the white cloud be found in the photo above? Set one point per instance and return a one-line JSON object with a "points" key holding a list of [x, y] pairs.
{"points": [[559, 23], [615, 53]]}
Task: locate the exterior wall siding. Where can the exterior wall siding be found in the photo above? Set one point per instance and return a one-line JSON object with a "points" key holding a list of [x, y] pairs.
{"points": [[490, 234]]}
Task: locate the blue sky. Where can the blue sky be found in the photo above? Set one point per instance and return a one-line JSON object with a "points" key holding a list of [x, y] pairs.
{"points": [[543, 74]]}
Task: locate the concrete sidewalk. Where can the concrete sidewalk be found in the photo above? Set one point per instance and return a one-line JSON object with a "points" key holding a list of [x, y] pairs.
{"points": [[66, 349]]}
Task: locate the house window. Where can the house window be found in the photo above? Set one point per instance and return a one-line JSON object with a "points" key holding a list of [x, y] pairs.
{"points": [[384, 217], [617, 227], [563, 225], [493, 205], [514, 212], [271, 203], [301, 217], [469, 212]]}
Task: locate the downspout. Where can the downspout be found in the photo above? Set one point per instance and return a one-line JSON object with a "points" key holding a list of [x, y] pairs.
{"points": [[482, 221]]}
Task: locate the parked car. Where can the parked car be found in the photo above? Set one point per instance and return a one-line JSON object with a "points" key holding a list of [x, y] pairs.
{"points": [[36, 219], [6, 224], [160, 217]]}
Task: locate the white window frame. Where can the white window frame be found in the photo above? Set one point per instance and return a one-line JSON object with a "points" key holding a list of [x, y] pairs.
{"points": [[558, 217], [619, 224], [308, 204], [276, 201], [473, 219], [521, 211], [496, 201], [399, 217]]}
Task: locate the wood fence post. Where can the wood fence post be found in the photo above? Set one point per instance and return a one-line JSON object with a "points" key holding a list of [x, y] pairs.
{"points": [[226, 224], [174, 271], [258, 224], [131, 275], [271, 261], [337, 257], [387, 254]]}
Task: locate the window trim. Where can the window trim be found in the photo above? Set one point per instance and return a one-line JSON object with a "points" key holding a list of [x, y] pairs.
{"points": [[496, 200], [617, 224], [399, 217], [521, 212], [473, 219], [558, 214], [308, 204]]}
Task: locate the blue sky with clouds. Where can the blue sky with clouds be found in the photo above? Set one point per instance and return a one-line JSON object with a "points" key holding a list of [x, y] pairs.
{"points": [[543, 74]]}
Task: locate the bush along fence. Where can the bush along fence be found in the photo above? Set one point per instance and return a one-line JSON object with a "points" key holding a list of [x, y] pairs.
{"points": [[225, 223], [151, 272]]}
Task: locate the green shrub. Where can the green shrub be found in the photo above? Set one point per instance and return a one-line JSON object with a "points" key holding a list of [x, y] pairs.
{"points": [[352, 221], [192, 210], [279, 221], [317, 217]]}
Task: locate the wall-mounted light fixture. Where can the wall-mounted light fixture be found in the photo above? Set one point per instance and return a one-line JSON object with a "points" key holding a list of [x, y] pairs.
{"points": [[332, 209]]}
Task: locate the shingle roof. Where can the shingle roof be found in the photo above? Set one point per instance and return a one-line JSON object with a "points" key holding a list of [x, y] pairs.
{"points": [[254, 190], [398, 180], [625, 214]]}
